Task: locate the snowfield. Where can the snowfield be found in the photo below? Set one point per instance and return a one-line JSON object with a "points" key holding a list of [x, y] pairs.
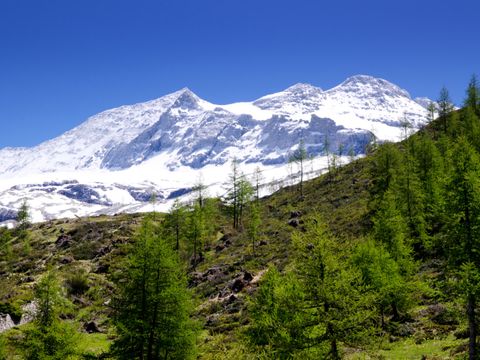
{"points": [[116, 160]]}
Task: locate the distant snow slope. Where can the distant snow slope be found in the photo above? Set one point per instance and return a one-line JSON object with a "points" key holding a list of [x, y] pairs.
{"points": [[115, 160]]}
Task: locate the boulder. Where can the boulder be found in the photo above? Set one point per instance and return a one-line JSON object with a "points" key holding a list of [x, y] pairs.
{"points": [[295, 214], [237, 285], [294, 223], [247, 276], [91, 327], [63, 241]]}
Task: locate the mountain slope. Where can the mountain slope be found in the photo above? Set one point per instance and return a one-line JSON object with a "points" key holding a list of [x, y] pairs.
{"points": [[164, 145]]}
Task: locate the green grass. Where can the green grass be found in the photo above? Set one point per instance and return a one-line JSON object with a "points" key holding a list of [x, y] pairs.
{"points": [[432, 349], [93, 343]]}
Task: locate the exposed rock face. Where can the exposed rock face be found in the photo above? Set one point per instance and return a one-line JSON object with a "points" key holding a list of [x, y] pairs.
{"points": [[6, 322], [28, 313], [181, 133]]}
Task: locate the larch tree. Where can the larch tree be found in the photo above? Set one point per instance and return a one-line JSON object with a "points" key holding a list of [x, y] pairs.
{"points": [[445, 107], [152, 306], [49, 338], [299, 157], [278, 324], [463, 204], [23, 216], [339, 307], [473, 95]]}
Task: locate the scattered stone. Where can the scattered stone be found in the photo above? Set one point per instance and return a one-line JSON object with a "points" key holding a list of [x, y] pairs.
{"points": [[295, 214], [238, 285], [219, 248], [231, 299], [102, 269], [225, 237], [66, 259], [91, 327], [247, 276], [28, 279], [103, 251], [212, 320], [63, 241], [293, 222]]}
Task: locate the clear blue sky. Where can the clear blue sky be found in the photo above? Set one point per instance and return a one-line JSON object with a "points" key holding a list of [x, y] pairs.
{"points": [[64, 60]]}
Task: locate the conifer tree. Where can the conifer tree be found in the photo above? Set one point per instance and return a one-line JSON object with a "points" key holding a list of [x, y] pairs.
{"points": [[175, 223], [23, 216], [385, 168], [339, 307], [411, 197], [276, 311], [464, 237], [49, 338], [471, 124], [430, 173], [257, 179], [239, 194], [152, 305], [445, 107], [254, 224], [473, 95], [382, 274], [390, 230], [196, 233], [299, 157]]}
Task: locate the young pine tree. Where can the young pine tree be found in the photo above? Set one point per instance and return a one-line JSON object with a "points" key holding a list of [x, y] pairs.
{"points": [[175, 223], [431, 175], [49, 338], [382, 274], [390, 230], [339, 307], [153, 305], [23, 216], [445, 107], [196, 233], [299, 157], [473, 95], [254, 223], [277, 323], [385, 167]]}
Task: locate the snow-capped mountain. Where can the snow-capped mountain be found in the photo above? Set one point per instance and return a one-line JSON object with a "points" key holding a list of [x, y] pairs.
{"points": [[116, 159]]}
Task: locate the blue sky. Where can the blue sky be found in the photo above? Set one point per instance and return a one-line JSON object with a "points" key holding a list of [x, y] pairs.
{"points": [[62, 61]]}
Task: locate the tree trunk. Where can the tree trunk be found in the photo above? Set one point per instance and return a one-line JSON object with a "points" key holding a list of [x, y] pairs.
{"points": [[177, 234], [301, 178], [153, 323], [383, 318], [396, 315], [334, 350]]}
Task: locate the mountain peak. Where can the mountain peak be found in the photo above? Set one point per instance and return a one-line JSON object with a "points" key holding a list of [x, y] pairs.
{"points": [[186, 99], [303, 87], [372, 85]]}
